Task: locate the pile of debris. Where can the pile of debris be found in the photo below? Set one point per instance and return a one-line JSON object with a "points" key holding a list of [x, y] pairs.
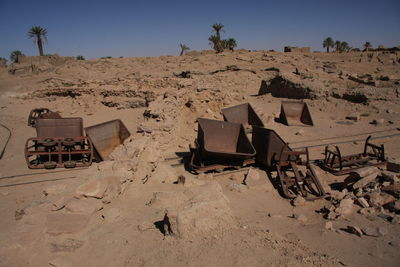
{"points": [[369, 191]]}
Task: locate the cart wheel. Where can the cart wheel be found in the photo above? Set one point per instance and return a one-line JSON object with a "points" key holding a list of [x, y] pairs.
{"points": [[50, 165], [48, 142], [70, 164], [69, 142]]}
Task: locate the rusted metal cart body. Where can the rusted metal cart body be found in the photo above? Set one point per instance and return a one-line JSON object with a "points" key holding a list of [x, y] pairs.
{"points": [[295, 113], [60, 142], [243, 113], [337, 164], [106, 137], [274, 154], [220, 145]]}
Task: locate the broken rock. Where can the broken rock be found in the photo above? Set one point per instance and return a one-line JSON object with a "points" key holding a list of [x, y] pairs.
{"points": [[54, 189], [64, 223], [363, 182], [253, 178], [362, 202], [363, 172], [346, 207], [329, 226], [298, 201], [93, 188], [85, 206], [354, 230], [377, 199]]}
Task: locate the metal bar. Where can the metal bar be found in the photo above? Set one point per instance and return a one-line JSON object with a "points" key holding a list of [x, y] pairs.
{"points": [[349, 141], [8, 139], [344, 136], [41, 181], [40, 173]]}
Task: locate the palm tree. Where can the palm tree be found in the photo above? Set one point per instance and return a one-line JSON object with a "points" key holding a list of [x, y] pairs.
{"points": [[337, 45], [183, 48], [217, 28], [328, 42], [231, 44], [38, 33], [216, 42], [344, 47], [367, 46], [14, 55]]}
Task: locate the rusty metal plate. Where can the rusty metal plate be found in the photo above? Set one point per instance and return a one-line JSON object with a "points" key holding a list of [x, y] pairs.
{"points": [[243, 113], [61, 127], [268, 145], [221, 139], [295, 114], [106, 137]]}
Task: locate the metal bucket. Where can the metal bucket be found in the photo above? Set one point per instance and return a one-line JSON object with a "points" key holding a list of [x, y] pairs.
{"points": [[295, 114], [223, 140], [60, 127], [106, 137], [268, 145], [243, 113]]}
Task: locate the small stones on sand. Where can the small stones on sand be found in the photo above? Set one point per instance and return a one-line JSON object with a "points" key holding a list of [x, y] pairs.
{"points": [[298, 201], [329, 226]]}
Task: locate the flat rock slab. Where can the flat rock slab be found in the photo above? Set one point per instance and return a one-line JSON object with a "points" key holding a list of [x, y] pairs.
{"points": [[64, 223]]}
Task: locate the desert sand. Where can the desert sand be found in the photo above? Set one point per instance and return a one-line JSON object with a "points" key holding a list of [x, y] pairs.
{"points": [[108, 214]]}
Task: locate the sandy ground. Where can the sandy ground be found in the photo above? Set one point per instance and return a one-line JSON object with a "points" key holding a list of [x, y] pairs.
{"points": [[216, 220]]}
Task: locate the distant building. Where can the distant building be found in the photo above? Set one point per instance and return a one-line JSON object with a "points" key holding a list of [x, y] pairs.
{"points": [[297, 49]]}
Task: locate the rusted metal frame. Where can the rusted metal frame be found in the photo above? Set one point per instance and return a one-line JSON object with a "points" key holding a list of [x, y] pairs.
{"points": [[203, 166], [337, 164], [81, 141], [304, 183]]}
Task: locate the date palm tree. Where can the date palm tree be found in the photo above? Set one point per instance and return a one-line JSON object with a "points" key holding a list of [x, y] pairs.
{"points": [[367, 46], [217, 28], [183, 48], [217, 43], [328, 42], [38, 34], [231, 44], [14, 55]]}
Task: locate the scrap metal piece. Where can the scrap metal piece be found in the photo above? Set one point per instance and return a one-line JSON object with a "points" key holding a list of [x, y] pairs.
{"points": [[337, 164], [220, 145], [43, 113], [6, 142], [295, 114], [243, 113], [106, 137], [59, 142]]}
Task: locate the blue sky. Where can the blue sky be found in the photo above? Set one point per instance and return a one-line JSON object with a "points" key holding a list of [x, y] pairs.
{"points": [[156, 27]]}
